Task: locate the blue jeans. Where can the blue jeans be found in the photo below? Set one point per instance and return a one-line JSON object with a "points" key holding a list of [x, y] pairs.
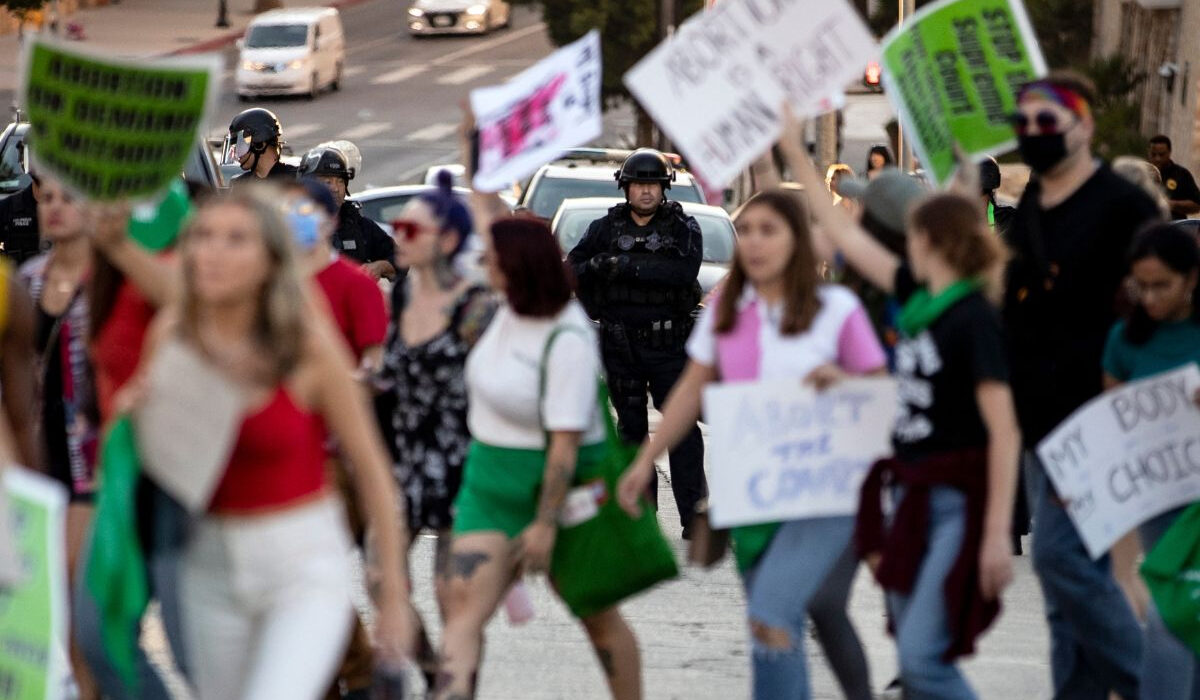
{"points": [[920, 619], [1095, 639], [782, 590], [1170, 670], [162, 568]]}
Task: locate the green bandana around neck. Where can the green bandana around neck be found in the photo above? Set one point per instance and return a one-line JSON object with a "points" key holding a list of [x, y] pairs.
{"points": [[922, 308]]}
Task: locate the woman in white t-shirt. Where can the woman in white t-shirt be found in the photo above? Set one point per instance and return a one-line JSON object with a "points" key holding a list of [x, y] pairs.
{"points": [[527, 442], [775, 321]]}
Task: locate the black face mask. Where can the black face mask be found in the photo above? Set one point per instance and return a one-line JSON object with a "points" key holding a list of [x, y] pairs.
{"points": [[1043, 151]]}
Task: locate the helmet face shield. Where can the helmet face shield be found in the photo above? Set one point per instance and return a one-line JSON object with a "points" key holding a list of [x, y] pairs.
{"points": [[242, 143]]}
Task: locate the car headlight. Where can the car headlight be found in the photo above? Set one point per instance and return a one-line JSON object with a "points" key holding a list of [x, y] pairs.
{"points": [[477, 10], [249, 65], [296, 64], [416, 12]]}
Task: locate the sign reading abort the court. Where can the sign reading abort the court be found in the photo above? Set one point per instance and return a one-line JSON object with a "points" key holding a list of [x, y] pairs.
{"points": [[1127, 456], [113, 128], [781, 451]]}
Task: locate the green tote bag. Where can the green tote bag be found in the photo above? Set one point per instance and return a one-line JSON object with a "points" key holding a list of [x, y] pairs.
{"points": [[1172, 573], [609, 556]]}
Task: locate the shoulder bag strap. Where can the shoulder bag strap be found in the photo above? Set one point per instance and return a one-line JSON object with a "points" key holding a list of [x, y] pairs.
{"points": [[602, 396]]}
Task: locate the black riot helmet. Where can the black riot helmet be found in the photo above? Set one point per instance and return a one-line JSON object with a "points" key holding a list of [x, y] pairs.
{"points": [[645, 165], [255, 130], [326, 160]]}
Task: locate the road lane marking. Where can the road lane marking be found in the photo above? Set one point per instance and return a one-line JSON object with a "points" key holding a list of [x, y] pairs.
{"points": [[465, 75], [490, 43], [365, 130], [353, 71], [398, 75], [433, 132], [296, 131]]}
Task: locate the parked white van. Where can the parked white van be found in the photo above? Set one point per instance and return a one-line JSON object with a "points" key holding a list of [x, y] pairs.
{"points": [[291, 52]]}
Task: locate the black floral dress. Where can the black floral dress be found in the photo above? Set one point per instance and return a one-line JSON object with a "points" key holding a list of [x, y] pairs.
{"points": [[429, 409]]}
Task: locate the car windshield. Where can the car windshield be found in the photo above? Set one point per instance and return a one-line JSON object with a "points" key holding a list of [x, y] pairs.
{"points": [[385, 210], [11, 168], [717, 232], [551, 191], [272, 36]]}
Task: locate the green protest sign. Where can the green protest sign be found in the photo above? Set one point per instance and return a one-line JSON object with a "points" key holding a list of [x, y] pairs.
{"points": [[952, 74], [33, 610], [112, 128]]}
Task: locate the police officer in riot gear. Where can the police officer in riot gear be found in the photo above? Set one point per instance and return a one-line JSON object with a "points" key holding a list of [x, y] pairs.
{"points": [[20, 239], [256, 141], [637, 270], [357, 237]]}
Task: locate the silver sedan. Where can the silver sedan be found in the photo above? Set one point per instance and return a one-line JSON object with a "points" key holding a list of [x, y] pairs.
{"points": [[427, 17]]}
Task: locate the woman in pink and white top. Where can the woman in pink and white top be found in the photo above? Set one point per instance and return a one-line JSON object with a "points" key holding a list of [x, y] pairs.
{"points": [[775, 320]]}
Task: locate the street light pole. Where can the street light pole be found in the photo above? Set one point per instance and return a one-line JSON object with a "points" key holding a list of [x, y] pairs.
{"points": [[222, 14], [904, 156]]}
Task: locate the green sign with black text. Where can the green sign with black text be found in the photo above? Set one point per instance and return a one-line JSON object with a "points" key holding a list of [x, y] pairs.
{"points": [[952, 73], [114, 128]]}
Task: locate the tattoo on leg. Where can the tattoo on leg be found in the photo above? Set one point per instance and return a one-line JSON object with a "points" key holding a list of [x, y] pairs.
{"points": [[606, 661], [464, 564]]}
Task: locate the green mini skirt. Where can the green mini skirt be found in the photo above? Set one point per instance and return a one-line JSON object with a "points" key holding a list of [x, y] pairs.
{"points": [[502, 486]]}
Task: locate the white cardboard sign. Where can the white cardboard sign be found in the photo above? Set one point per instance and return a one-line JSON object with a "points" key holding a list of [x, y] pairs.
{"points": [[783, 451], [534, 117], [1127, 456], [716, 86]]}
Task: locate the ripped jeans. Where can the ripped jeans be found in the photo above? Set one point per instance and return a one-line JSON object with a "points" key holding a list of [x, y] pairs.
{"points": [[807, 569]]}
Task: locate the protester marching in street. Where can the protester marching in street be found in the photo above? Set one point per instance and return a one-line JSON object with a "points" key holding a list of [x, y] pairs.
{"points": [[264, 581], [1162, 333], [439, 317], [1069, 240], [774, 320], [67, 409]]}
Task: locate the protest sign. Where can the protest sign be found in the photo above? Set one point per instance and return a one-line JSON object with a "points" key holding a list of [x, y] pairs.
{"points": [[952, 74], [112, 128], [1127, 456], [33, 611], [782, 451], [538, 114], [716, 86]]}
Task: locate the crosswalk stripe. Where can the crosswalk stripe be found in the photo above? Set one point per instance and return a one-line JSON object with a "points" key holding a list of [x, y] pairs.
{"points": [[365, 130], [398, 75], [465, 75], [353, 71], [433, 132], [295, 131]]}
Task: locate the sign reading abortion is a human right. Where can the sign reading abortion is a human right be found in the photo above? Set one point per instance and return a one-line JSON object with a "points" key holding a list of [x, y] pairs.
{"points": [[1127, 456], [783, 451]]}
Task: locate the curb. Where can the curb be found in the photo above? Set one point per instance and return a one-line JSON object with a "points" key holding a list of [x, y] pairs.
{"points": [[227, 39]]}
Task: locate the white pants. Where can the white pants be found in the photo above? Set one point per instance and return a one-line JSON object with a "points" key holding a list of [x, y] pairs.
{"points": [[266, 603]]}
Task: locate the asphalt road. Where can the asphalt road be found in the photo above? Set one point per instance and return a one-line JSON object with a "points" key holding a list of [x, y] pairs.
{"points": [[400, 96]]}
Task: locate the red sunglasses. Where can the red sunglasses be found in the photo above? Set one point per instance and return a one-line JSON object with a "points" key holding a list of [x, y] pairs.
{"points": [[408, 228]]}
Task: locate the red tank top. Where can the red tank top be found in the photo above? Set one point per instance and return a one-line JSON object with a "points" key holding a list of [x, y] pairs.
{"points": [[279, 458]]}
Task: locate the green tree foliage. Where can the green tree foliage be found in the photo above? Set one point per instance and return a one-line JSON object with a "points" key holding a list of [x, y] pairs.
{"points": [[1116, 112], [1064, 30]]}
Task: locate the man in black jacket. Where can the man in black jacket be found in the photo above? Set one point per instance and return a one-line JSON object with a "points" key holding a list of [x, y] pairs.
{"points": [[637, 269], [19, 237], [356, 237]]}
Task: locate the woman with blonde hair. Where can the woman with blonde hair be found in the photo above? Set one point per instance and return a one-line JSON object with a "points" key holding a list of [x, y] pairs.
{"points": [[266, 582], [1143, 174]]}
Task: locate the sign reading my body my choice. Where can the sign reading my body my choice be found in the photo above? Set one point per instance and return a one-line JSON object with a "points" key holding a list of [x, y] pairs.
{"points": [[716, 87], [953, 72], [1127, 456], [111, 128], [780, 451]]}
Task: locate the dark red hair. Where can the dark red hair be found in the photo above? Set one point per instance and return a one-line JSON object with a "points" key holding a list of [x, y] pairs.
{"points": [[538, 281]]}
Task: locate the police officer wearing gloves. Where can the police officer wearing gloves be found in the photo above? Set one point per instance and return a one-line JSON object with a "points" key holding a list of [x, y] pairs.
{"points": [[257, 139], [357, 237], [637, 271]]}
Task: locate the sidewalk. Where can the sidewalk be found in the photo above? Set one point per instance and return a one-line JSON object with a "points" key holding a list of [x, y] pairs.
{"points": [[144, 28]]}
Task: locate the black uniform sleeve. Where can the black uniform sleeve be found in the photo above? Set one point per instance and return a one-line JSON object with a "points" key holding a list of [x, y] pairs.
{"points": [[591, 245], [1186, 187], [673, 269], [379, 245]]}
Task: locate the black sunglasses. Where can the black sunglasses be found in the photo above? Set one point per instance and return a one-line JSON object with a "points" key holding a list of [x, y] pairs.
{"points": [[1047, 123]]}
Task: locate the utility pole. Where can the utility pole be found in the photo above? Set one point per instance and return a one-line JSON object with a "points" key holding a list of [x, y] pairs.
{"points": [[222, 14], [907, 7], [666, 27]]}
